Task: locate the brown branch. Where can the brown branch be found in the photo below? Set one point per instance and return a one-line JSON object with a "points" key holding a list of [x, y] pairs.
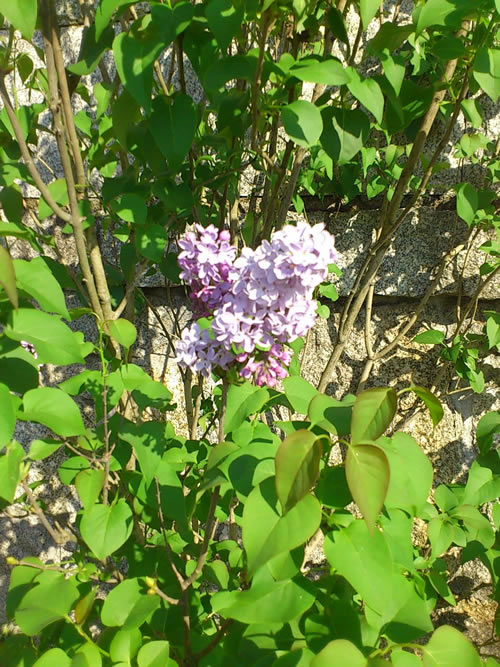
{"points": [[58, 537]]}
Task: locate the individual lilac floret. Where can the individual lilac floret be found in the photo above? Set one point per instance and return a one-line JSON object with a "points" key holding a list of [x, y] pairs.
{"points": [[206, 259], [200, 352]]}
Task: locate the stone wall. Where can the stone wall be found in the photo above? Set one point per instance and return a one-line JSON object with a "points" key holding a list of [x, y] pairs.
{"points": [[425, 238]]}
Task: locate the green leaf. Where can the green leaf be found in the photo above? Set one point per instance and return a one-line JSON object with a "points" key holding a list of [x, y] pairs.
{"points": [[7, 416], [467, 202], [299, 392], [332, 415], [59, 192], [411, 473], [224, 19], [372, 413], [487, 427], [300, 657], [448, 646], [154, 654], [146, 391], [368, 473], [104, 13], [131, 208], [10, 470], [54, 656], [473, 112], [447, 13], [330, 72], [93, 49], [36, 278], [41, 449], [340, 652], [487, 71], [128, 605], [493, 329], [54, 342], [173, 123], [48, 601], [89, 484], [337, 25], [84, 605], [432, 403], [344, 133], [441, 533], [105, 528], [151, 241], [171, 22], [242, 401], [134, 58], [302, 122], [267, 533], [368, 9], [430, 337], [368, 92], [266, 602], [149, 443], [477, 526], [366, 562], [21, 14], [53, 408], [8, 276], [388, 38], [123, 331], [125, 645], [87, 655], [297, 467]]}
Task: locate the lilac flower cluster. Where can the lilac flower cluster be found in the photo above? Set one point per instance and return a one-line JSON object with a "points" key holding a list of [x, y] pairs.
{"points": [[257, 303]]}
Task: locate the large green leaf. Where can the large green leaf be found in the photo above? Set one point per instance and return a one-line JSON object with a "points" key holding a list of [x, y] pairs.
{"points": [[48, 601], [54, 656], [366, 562], [21, 14], [7, 416], [242, 401], [125, 645], [267, 533], [123, 331], [487, 71], [299, 392], [146, 391], [372, 414], [368, 473], [368, 9], [128, 605], [93, 49], [10, 470], [297, 467], [104, 13], [448, 646], [302, 122], [173, 124], [446, 13], [106, 527], [134, 58], [368, 92], [411, 473], [224, 19], [266, 602], [329, 72], [36, 278], [54, 342], [8, 276], [89, 484], [467, 202], [332, 415], [339, 652], [344, 133], [488, 426], [53, 408]]}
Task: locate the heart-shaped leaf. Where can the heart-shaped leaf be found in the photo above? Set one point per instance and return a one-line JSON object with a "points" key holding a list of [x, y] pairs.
{"points": [[373, 411], [106, 527]]}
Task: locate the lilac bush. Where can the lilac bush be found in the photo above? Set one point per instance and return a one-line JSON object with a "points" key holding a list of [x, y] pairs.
{"points": [[255, 304]]}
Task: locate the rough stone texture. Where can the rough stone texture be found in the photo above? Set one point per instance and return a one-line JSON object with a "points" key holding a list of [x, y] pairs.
{"points": [[419, 247]]}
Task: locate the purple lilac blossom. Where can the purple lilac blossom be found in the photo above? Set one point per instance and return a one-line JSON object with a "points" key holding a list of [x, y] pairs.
{"points": [[257, 302]]}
